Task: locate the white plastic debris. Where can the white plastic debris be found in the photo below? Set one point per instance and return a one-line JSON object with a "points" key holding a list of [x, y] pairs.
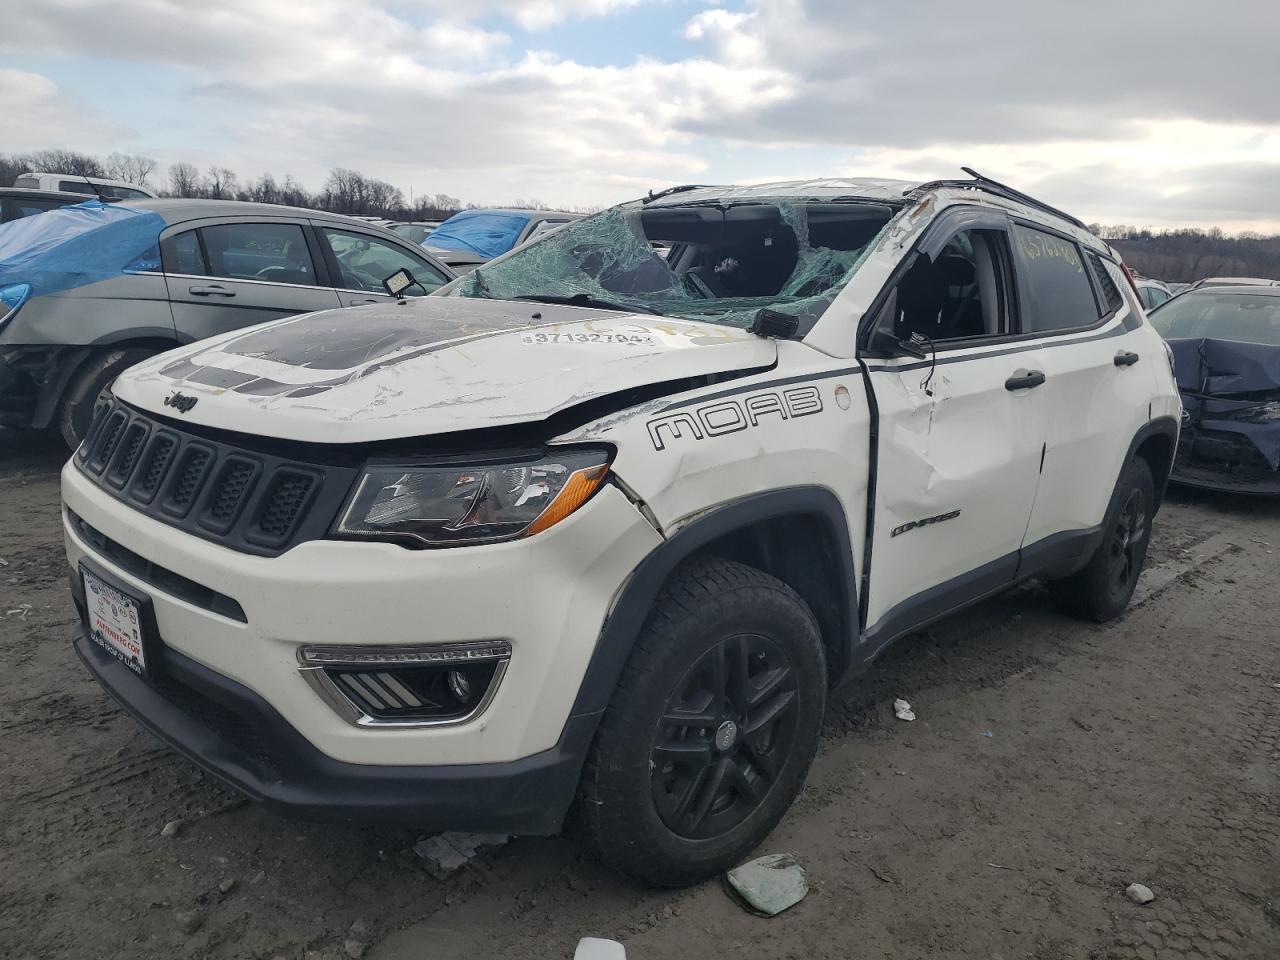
{"points": [[447, 853], [902, 710], [770, 884], [593, 948], [1139, 893]]}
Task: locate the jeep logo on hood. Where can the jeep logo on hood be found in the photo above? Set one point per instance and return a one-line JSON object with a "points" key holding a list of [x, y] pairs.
{"points": [[180, 402]]}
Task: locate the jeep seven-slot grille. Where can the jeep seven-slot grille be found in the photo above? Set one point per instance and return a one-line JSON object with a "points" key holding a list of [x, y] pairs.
{"points": [[241, 498]]}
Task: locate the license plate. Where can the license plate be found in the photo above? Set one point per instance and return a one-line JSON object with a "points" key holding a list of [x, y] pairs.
{"points": [[114, 622]]}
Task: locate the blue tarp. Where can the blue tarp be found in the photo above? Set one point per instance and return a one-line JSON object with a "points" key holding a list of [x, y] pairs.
{"points": [[485, 232], [78, 245]]}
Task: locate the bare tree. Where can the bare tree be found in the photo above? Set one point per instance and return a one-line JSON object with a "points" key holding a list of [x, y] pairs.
{"points": [[184, 180], [65, 161], [220, 184], [130, 167]]}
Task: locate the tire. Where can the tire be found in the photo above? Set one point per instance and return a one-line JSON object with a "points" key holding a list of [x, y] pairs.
{"points": [[674, 803], [1101, 590], [76, 411]]}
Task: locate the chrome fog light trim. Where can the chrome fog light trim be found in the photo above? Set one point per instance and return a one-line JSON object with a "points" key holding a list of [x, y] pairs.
{"points": [[353, 692]]}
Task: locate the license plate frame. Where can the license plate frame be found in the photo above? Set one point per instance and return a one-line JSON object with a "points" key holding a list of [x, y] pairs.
{"points": [[119, 620]]}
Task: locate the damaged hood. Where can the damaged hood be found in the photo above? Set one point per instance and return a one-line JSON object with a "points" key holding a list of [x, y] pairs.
{"points": [[429, 366], [1232, 387]]}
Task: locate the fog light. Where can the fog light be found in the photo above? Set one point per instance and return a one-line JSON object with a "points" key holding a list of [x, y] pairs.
{"points": [[459, 685], [407, 686]]}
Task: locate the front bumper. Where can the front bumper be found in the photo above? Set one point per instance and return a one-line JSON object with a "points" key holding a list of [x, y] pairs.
{"points": [[238, 737], [244, 617], [1223, 460]]}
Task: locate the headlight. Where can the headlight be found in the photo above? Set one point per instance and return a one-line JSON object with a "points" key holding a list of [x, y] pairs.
{"points": [[11, 298], [445, 506]]}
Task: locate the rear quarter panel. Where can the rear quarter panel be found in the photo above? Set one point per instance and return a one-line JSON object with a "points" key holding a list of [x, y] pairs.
{"points": [[133, 306]]}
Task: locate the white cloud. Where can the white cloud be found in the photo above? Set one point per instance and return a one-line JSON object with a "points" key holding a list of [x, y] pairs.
{"points": [[34, 105], [1138, 112]]}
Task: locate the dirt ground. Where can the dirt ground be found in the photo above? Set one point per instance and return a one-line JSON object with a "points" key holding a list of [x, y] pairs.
{"points": [[1053, 763]]}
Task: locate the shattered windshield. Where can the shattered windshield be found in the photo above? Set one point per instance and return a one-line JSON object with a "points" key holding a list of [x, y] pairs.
{"points": [[1247, 317], [715, 262]]}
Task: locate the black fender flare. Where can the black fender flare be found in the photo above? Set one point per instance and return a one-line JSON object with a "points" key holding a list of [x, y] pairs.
{"points": [[1158, 426], [636, 599]]}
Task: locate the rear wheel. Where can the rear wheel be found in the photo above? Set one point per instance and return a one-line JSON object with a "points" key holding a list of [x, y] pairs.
{"points": [[76, 410], [712, 728], [1101, 591]]}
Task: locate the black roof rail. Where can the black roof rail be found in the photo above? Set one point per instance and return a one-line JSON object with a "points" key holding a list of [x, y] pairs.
{"points": [[999, 189], [684, 188]]}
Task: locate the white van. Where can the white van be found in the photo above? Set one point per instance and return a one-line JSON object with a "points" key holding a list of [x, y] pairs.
{"points": [[75, 183]]}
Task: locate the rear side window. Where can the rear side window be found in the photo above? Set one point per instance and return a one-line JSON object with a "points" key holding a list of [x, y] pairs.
{"points": [[187, 256], [1057, 294], [272, 252], [30, 182], [75, 186], [1110, 292]]}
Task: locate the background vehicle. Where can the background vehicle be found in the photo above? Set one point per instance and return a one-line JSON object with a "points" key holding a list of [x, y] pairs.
{"points": [[593, 522], [1152, 293], [473, 237], [1234, 282], [16, 204], [94, 288], [417, 231], [90, 186], [1226, 346]]}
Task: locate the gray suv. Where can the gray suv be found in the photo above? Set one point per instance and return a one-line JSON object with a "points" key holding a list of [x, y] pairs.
{"points": [[89, 290]]}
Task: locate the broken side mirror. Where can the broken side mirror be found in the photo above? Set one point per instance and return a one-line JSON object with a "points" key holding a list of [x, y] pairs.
{"points": [[398, 282], [884, 342]]}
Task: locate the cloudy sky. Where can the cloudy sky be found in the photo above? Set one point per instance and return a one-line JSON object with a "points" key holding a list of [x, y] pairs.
{"points": [[1140, 112]]}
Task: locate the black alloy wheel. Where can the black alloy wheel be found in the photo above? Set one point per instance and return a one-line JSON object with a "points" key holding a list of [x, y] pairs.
{"points": [[723, 736]]}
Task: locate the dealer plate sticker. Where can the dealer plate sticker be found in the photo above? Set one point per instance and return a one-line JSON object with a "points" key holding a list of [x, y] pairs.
{"points": [[115, 622]]}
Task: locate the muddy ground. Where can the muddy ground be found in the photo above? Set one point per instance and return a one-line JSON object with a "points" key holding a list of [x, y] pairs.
{"points": [[1053, 762]]}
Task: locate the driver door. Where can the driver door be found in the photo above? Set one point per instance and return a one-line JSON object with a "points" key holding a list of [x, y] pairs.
{"points": [[223, 275]]}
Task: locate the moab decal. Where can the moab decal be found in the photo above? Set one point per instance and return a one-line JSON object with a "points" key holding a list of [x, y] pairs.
{"points": [[729, 416]]}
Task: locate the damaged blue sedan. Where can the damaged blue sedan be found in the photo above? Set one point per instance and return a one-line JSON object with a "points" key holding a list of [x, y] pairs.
{"points": [[1226, 348]]}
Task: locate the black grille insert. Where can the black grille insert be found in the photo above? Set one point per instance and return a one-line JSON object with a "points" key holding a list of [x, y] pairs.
{"points": [[246, 499], [158, 457], [228, 492]]}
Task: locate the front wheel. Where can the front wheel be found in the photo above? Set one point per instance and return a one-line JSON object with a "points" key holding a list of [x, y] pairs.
{"points": [[76, 409], [1101, 591], [712, 728]]}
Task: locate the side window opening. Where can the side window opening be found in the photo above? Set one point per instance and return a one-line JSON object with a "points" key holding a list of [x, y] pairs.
{"points": [[959, 295], [1057, 292], [365, 261], [272, 252]]}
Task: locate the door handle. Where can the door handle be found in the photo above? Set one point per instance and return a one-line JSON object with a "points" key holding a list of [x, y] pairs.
{"points": [[360, 303], [1024, 380], [212, 291], [1126, 358]]}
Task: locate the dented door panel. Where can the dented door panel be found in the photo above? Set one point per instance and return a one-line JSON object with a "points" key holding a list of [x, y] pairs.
{"points": [[956, 472]]}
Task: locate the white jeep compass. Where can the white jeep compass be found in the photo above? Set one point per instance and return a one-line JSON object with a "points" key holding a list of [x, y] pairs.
{"points": [[604, 521]]}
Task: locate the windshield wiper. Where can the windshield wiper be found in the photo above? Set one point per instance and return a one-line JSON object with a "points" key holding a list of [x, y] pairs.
{"points": [[584, 300]]}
